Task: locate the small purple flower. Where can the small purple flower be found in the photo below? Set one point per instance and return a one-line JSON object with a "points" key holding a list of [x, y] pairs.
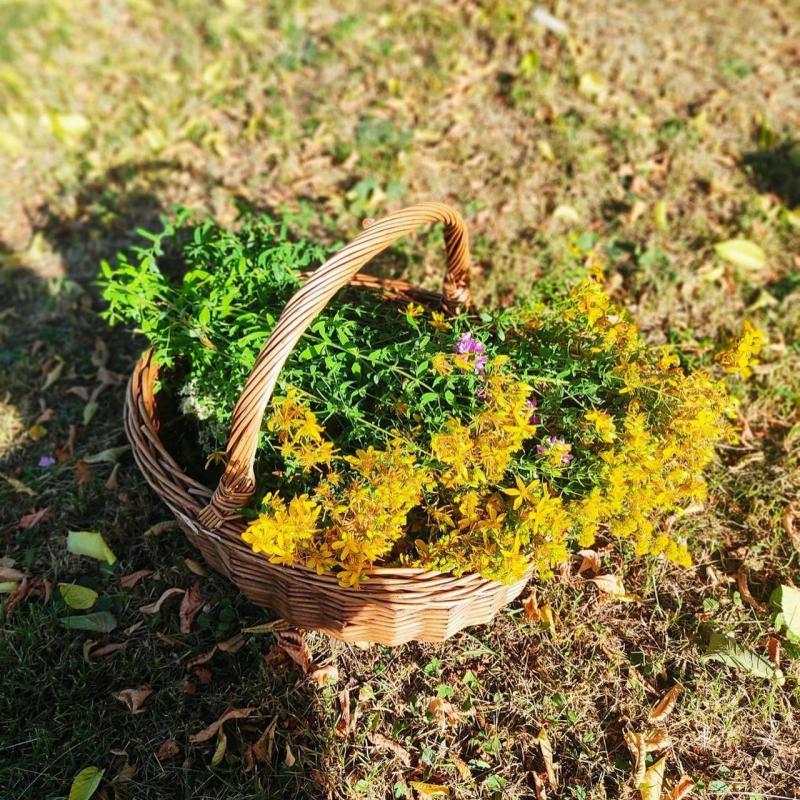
{"points": [[467, 344], [480, 393], [532, 403], [552, 441], [46, 461]]}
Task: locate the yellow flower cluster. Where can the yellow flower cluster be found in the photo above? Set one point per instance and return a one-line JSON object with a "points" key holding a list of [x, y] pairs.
{"points": [[299, 433], [739, 360], [481, 452]]}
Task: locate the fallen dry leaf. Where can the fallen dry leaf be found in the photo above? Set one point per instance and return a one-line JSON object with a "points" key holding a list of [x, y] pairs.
{"points": [[129, 581], [133, 699], [170, 641], [664, 707], [82, 473], [344, 724], [636, 744], [191, 604], [196, 567], [535, 613], [289, 760], [209, 732], [168, 749], [154, 608], [262, 749], [744, 590], [232, 645], [203, 675], [17, 485], [323, 676], [774, 651], [112, 484], [792, 530], [682, 789], [161, 527], [613, 585], [657, 739], [202, 658], [461, 766], [442, 711], [34, 518], [650, 787], [293, 643], [538, 785], [220, 749], [28, 589], [543, 740], [590, 561], [426, 790], [11, 574], [382, 743]]}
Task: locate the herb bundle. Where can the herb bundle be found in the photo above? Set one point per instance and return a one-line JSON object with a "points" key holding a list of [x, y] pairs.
{"points": [[485, 442]]}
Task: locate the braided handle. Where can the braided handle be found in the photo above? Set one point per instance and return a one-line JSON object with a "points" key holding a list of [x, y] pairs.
{"points": [[237, 484]]}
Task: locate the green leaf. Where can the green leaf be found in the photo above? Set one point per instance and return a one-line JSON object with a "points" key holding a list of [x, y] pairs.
{"points": [[96, 622], [728, 651], [6, 587], [89, 543], [742, 253], [77, 597], [787, 600], [85, 783]]}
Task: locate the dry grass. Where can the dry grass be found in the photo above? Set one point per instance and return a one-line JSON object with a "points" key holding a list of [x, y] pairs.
{"points": [[114, 111]]}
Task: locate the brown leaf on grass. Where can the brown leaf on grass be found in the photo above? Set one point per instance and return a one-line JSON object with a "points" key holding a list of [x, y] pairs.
{"points": [[774, 651], [461, 766], [293, 643], [90, 652], [344, 724], [169, 749], [232, 645], [202, 658], [34, 518], [429, 790], [665, 705], [535, 613], [636, 744], [590, 561], [154, 608], [289, 759], [792, 530], [613, 585], [262, 749], [442, 711], [191, 604], [196, 567], [682, 789], [543, 740], [82, 473], [539, 787], [81, 392], [112, 484], [129, 581], [53, 375], [744, 590], [383, 743], [17, 485], [209, 732], [133, 699], [161, 527], [28, 589], [67, 451], [656, 739], [11, 574], [323, 676], [203, 675]]}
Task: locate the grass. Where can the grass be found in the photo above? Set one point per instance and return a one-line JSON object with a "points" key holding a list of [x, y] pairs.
{"points": [[113, 112]]}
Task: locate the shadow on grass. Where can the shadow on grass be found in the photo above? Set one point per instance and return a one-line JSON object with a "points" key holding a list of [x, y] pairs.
{"points": [[776, 170], [59, 697]]}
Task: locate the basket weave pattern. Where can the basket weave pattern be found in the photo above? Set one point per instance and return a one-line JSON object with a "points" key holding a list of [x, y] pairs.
{"points": [[394, 605]]}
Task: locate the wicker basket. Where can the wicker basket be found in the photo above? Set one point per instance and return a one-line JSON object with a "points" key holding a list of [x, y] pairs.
{"points": [[395, 605]]}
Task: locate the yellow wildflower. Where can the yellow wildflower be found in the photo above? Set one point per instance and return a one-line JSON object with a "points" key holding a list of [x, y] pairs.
{"points": [[603, 425], [740, 359]]}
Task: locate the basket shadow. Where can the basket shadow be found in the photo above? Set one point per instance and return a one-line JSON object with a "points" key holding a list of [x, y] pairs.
{"points": [[775, 169]]}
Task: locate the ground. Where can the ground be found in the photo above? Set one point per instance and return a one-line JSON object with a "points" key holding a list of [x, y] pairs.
{"points": [[663, 128]]}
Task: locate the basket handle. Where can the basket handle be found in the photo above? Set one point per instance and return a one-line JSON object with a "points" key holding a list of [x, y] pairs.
{"points": [[237, 484]]}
